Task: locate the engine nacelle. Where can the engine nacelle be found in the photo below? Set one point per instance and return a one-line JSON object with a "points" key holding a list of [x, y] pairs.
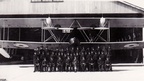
{"points": [[74, 41]]}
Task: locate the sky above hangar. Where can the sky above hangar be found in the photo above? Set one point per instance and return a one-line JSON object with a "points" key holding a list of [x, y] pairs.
{"points": [[139, 3]]}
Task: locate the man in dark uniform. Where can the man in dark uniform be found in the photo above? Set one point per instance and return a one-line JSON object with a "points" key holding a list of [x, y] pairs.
{"points": [[77, 49], [71, 60], [83, 63], [91, 64], [78, 60], [42, 55], [92, 49], [36, 60], [72, 49], [75, 64], [44, 65], [63, 61], [48, 53], [37, 64], [108, 66], [98, 49], [59, 64], [81, 56], [95, 59], [67, 50], [55, 57], [72, 55], [88, 60], [67, 62], [101, 62], [52, 63]]}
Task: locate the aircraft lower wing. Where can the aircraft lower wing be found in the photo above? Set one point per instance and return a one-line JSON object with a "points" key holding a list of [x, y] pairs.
{"points": [[127, 45], [29, 44], [33, 45]]}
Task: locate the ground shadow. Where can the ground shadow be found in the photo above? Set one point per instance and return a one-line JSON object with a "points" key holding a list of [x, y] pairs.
{"points": [[26, 66]]}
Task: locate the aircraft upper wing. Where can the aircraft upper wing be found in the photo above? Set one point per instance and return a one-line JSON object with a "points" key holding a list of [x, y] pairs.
{"points": [[67, 28], [33, 45]]}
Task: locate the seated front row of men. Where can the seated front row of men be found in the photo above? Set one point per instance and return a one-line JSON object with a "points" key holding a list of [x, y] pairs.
{"points": [[48, 60]]}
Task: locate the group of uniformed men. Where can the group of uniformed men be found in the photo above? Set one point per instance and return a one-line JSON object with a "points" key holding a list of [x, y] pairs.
{"points": [[72, 59]]}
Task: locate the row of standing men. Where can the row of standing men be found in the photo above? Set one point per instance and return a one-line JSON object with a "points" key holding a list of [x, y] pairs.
{"points": [[71, 60]]}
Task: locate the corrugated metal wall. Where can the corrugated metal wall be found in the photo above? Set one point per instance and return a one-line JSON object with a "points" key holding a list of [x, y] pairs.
{"points": [[67, 6]]}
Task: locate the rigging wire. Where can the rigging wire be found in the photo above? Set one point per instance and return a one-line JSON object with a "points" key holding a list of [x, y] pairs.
{"points": [[3, 32], [19, 34]]}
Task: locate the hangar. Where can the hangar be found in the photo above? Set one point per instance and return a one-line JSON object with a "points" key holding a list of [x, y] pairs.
{"points": [[114, 27]]}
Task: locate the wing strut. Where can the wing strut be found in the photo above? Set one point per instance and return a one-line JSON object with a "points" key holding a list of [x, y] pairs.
{"points": [[84, 32]]}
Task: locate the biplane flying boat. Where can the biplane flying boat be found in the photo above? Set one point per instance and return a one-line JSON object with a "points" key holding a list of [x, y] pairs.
{"points": [[47, 25]]}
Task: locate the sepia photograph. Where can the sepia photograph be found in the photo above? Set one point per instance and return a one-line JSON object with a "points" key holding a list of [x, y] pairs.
{"points": [[71, 40]]}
